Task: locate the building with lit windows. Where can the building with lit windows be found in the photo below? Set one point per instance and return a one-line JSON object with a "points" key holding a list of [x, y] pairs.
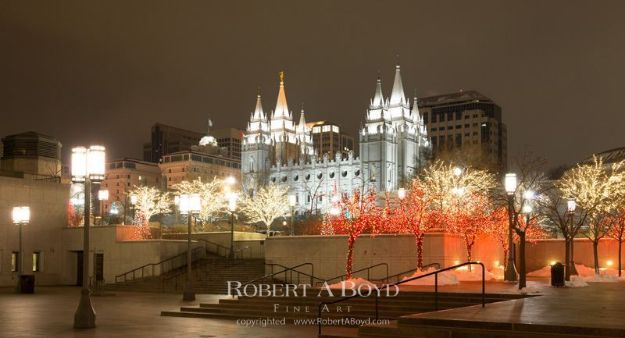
{"points": [[393, 146], [121, 176], [466, 121], [328, 138]]}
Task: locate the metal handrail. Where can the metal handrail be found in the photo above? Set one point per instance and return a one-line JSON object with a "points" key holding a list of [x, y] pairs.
{"points": [[425, 267], [285, 270], [386, 286], [217, 246], [153, 265], [368, 269]]}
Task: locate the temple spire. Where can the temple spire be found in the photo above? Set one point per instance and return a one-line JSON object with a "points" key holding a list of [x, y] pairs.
{"points": [[258, 111], [397, 93], [282, 109], [378, 98]]}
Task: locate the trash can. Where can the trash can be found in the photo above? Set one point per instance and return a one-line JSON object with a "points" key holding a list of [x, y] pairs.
{"points": [[557, 275], [27, 284]]}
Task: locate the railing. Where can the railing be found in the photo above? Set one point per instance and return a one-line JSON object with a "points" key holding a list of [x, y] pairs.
{"points": [[218, 248], [386, 286], [368, 269], [174, 262], [287, 271], [397, 276], [178, 277]]}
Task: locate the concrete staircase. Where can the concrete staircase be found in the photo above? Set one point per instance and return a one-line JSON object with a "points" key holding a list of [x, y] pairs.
{"points": [[209, 274], [297, 308]]}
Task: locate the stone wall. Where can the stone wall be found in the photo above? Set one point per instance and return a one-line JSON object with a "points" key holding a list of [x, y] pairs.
{"points": [[47, 202]]}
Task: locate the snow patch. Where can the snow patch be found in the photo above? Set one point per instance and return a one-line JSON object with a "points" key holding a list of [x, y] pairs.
{"points": [[352, 284], [576, 282], [444, 278]]}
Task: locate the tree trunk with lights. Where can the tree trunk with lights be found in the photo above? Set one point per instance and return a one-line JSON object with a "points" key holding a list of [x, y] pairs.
{"points": [[522, 272], [595, 252], [419, 242], [350, 252], [567, 259]]}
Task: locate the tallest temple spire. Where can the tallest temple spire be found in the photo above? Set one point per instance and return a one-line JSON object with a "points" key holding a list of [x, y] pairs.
{"points": [[282, 108], [397, 94]]}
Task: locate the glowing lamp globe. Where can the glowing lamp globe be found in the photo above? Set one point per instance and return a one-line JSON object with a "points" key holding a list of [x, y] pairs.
{"points": [[20, 215], [230, 180], [96, 159], [103, 195], [457, 171], [510, 183], [571, 205], [232, 202], [79, 164], [401, 193]]}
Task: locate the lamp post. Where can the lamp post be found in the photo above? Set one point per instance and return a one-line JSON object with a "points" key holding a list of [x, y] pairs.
{"points": [[528, 196], [21, 216], [87, 167], [188, 205], [571, 205], [401, 193], [292, 203], [103, 195], [232, 206], [510, 185]]}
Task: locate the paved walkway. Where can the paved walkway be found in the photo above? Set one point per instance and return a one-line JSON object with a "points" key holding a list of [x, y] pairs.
{"points": [[50, 313], [599, 306]]}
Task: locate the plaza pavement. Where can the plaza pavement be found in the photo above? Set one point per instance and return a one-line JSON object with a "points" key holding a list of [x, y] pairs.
{"points": [[49, 312]]}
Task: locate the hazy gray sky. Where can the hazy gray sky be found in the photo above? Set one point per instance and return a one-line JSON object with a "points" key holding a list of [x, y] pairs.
{"points": [[105, 71]]}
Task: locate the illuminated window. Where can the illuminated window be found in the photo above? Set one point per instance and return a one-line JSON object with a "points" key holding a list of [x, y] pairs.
{"points": [[14, 261], [36, 261]]}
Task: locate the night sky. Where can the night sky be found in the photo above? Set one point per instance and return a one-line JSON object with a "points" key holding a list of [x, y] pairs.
{"points": [[105, 71]]}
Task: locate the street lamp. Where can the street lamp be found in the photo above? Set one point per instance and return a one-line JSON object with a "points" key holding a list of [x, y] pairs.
{"points": [[232, 206], [401, 193], [103, 195], [87, 167], [510, 185], [292, 203], [526, 209], [188, 205], [21, 216], [571, 205]]}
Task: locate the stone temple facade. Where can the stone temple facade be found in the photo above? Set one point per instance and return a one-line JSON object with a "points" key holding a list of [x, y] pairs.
{"points": [[393, 146]]}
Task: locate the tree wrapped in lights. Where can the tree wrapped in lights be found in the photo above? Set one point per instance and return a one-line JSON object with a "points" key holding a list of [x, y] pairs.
{"points": [[597, 190], [213, 200], [267, 204], [499, 226], [450, 187], [617, 232], [460, 198], [149, 202], [414, 215], [353, 216]]}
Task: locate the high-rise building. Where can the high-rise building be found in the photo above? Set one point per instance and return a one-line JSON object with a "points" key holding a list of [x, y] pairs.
{"points": [[469, 122], [328, 138], [33, 154], [166, 140], [393, 146], [230, 140]]}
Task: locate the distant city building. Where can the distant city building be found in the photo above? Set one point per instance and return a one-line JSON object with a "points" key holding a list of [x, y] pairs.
{"points": [[122, 175], [230, 140], [168, 139], [32, 153], [205, 161], [463, 121], [393, 146], [328, 138]]}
